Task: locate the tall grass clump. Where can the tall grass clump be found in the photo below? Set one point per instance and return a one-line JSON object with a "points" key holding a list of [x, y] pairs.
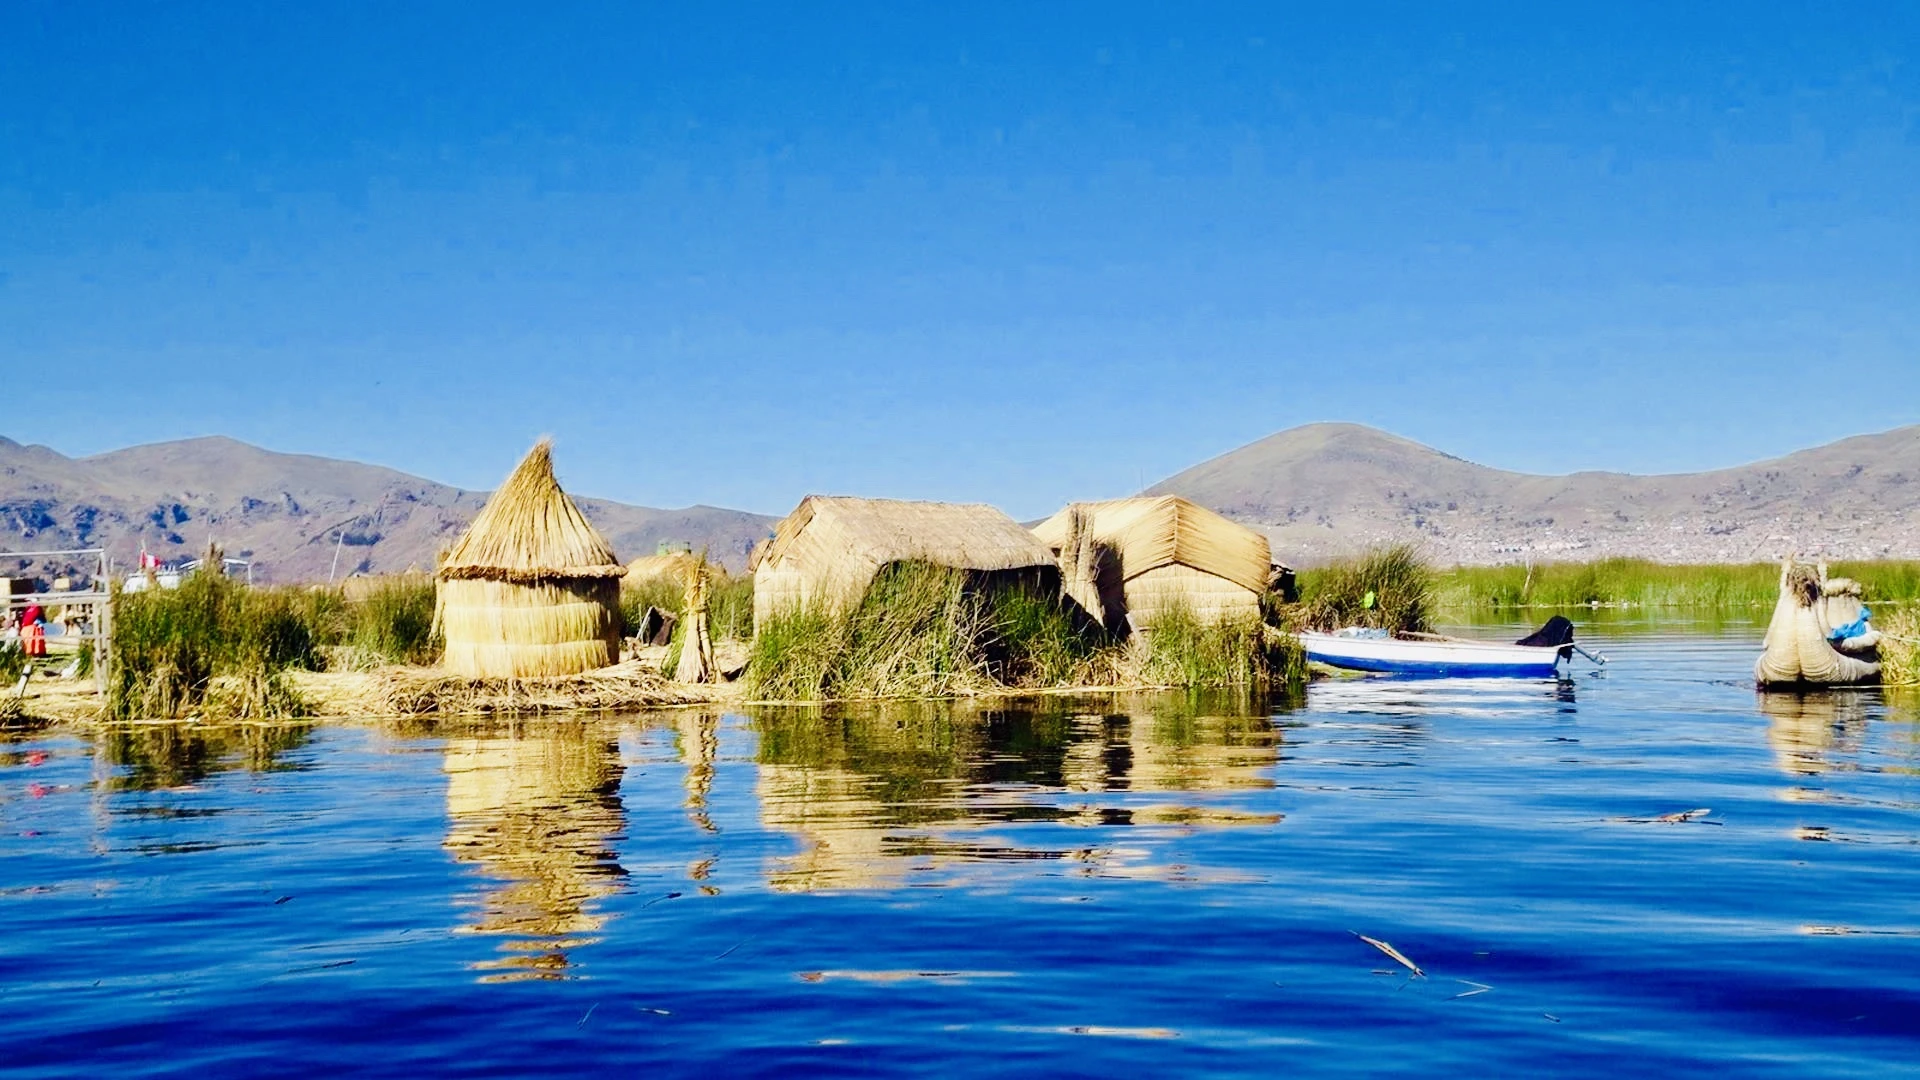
{"points": [[394, 623], [928, 631], [1400, 583], [1037, 641], [13, 662], [211, 645], [916, 633], [1900, 648], [1181, 650]]}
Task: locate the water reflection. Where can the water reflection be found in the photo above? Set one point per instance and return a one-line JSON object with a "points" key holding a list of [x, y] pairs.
{"points": [[697, 740], [156, 757], [878, 796], [1805, 730], [537, 807]]}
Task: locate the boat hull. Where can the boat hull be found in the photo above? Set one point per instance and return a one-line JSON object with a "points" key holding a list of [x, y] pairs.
{"points": [[1457, 659]]}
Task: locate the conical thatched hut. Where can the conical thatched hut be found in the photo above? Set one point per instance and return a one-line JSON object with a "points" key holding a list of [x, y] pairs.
{"points": [[1155, 553], [829, 549], [532, 588]]}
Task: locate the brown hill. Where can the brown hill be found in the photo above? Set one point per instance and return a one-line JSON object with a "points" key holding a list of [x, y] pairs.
{"points": [[1326, 490], [289, 513]]}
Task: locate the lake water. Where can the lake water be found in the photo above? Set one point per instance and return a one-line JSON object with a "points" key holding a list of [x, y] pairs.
{"points": [[1094, 887]]}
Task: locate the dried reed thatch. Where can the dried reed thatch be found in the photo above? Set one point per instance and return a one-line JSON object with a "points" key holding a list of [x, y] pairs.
{"points": [[829, 549], [404, 691], [531, 589], [1798, 651], [674, 566], [696, 641], [1159, 554]]}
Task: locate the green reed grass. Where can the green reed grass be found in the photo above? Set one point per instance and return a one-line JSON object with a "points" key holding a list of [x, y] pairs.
{"points": [[170, 646], [928, 631], [13, 661], [1644, 583], [1399, 581], [1181, 650], [394, 622]]}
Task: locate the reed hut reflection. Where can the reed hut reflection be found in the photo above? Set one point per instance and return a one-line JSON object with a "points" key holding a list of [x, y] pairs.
{"points": [[1807, 730], [536, 807], [879, 795]]}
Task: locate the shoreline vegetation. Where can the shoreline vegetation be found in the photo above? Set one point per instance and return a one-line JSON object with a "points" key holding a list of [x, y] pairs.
{"points": [[1642, 583], [928, 631], [217, 649]]}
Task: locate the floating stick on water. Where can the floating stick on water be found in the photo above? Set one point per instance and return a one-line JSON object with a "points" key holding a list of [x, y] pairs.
{"points": [[1396, 955]]}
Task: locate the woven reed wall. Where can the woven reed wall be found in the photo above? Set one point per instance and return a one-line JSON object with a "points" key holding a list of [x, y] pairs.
{"points": [[1209, 598], [501, 630]]}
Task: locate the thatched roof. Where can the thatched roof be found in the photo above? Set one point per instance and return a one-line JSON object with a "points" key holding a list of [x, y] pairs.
{"points": [[829, 549], [531, 532], [676, 565], [1151, 532], [965, 536]]}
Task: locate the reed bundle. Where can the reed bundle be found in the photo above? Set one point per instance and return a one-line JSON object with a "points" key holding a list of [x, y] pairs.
{"points": [[404, 691]]}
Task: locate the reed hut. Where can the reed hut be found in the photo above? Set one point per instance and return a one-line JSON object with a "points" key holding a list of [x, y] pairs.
{"points": [[674, 566], [1151, 554], [532, 588], [830, 548]]}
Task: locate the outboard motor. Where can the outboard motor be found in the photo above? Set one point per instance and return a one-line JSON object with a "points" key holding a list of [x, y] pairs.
{"points": [[1557, 631]]}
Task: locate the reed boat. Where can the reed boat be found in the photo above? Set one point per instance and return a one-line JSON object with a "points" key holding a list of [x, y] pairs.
{"points": [[1536, 656]]}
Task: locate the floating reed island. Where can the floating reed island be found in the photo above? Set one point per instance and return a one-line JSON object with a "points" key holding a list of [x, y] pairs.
{"points": [[865, 598], [532, 610]]}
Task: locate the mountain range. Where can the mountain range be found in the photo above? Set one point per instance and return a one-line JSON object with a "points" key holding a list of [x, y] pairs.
{"points": [[1326, 490], [294, 516], [1319, 492]]}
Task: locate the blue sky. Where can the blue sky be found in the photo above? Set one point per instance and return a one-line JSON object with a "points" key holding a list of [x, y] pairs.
{"points": [[734, 253]]}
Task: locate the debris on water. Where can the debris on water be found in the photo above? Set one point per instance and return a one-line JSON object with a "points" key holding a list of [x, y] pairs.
{"points": [[654, 1011], [583, 1018], [1478, 989], [657, 899], [732, 947], [1678, 817], [321, 967], [1551, 1017], [1104, 1031], [282, 900], [894, 976], [1394, 954]]}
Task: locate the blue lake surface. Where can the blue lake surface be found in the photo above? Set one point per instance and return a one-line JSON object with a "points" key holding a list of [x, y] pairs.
{"points": [[1148, 885]]}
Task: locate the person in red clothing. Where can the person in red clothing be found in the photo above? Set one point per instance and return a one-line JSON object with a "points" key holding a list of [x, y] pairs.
{"points": [[33, 631]]}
